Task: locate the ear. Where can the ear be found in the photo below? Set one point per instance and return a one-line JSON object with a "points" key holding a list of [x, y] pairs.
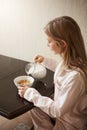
{"points": [[63, 43]]}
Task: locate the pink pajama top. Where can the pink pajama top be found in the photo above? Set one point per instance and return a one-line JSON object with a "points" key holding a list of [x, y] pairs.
{"points": [[69, 105]]}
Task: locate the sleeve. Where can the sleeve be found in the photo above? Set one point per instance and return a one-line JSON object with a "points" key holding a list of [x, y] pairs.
{"points": [[64, 103], [50, 63], [70, 94]]}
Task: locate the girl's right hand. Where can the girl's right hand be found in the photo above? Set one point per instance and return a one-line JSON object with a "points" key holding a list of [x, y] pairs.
{"points": [[39, 59], [21, 90]]}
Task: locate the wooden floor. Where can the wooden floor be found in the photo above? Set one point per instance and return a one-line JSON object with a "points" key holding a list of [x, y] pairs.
{"points": [[6, 124]]}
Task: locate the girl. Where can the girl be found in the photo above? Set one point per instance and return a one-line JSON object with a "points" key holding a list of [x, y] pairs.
{"points": [[69, 106]]}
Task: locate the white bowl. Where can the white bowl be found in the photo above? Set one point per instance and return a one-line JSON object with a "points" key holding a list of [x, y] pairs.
{"points": [[23, 80]]}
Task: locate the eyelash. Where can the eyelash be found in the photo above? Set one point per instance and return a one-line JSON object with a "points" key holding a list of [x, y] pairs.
{"points": [[49, 41]]}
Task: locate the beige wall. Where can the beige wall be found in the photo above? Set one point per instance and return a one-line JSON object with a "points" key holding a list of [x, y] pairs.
{"points": [[22, 23]]}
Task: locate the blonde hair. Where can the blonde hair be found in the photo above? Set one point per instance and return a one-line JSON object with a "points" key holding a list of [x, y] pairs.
{"points": [[66, 29]]}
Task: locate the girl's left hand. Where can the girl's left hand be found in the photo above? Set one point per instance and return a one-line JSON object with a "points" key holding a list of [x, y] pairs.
{"points": [[21, 90]]}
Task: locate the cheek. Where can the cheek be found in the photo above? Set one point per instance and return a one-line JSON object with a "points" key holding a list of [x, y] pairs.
{"points": [[53, 47], [56, 49]]}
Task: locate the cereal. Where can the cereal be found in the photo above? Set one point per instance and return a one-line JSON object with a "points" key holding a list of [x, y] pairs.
{"points": [[23, 82]]}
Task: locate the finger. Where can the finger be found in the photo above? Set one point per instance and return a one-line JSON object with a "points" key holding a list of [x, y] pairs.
{"points": [[18, 87], [20, 93], [36, 57], [21, 88]]}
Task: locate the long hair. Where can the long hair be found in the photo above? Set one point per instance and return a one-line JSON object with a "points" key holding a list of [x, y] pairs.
{"points": [[66, 28]]}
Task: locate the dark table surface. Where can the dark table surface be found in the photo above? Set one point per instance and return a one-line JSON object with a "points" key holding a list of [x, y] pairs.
{"points": [[11, 104]]}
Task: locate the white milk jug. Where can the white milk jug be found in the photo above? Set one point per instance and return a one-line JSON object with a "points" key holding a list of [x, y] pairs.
{"points": [[36, 70]]}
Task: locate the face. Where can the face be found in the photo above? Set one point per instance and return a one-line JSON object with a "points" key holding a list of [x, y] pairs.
{"points": [[53, 45]]}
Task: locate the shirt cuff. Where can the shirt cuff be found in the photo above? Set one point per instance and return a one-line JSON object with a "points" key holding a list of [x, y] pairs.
{"points": [[30, 94]]}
